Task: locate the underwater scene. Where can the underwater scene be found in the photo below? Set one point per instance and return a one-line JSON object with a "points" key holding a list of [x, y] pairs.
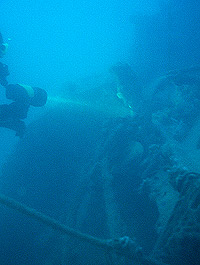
{"points": [[100, 129]]}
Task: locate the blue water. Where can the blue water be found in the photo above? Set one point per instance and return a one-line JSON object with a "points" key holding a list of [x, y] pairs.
{"points": [[53, 43]]}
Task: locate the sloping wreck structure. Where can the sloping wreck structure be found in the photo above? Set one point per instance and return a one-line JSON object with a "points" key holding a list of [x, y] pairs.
{"points": [[129, 183]]}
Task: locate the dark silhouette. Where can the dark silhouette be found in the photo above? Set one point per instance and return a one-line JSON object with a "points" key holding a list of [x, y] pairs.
{"points": [[23, 96]]}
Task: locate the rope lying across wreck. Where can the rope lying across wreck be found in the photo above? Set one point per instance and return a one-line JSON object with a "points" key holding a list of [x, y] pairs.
{"points": [[123, 246]]}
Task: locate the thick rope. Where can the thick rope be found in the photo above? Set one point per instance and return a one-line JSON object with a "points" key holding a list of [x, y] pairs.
{"points": [[123, 246], [11, 203]]}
